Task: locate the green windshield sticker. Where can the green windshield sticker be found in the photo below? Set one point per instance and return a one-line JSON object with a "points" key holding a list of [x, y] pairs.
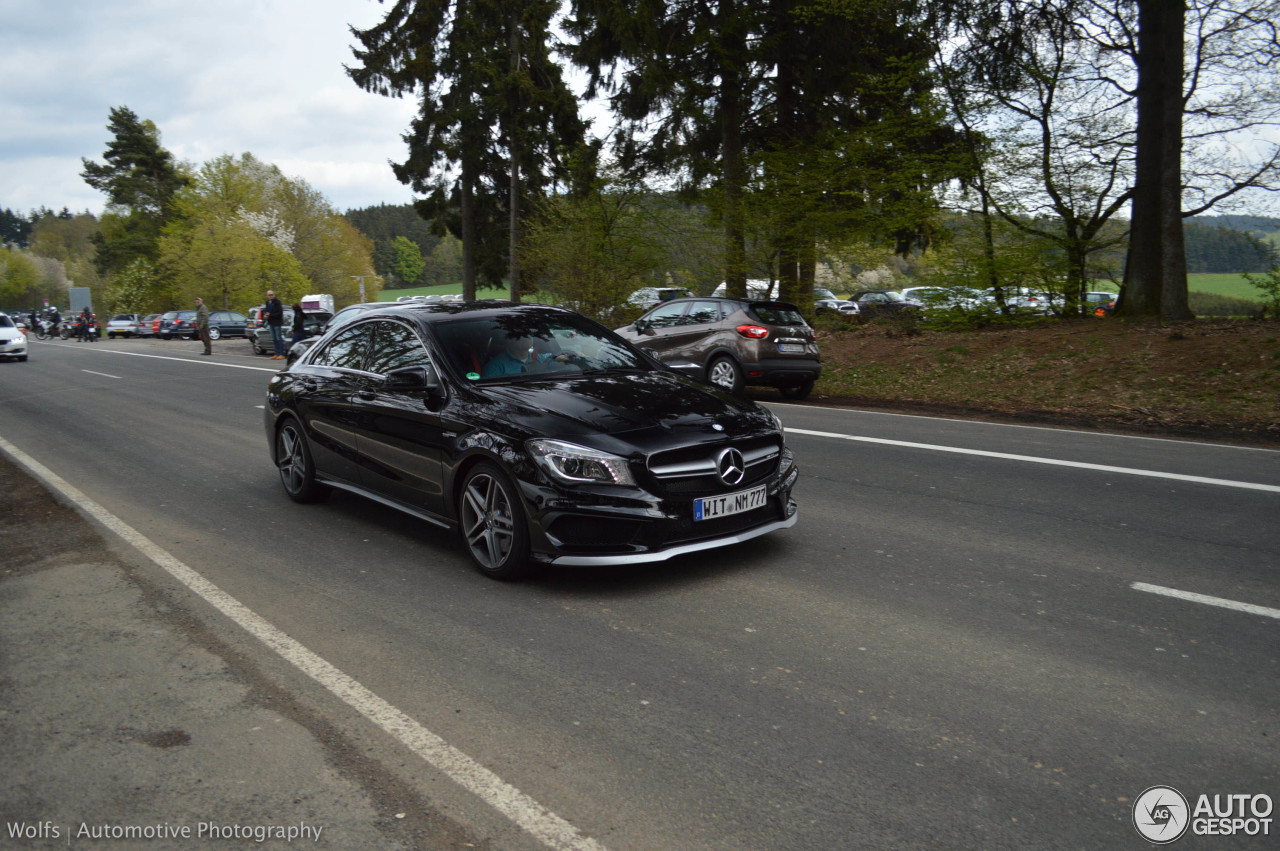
{"points": [[474, 376]]}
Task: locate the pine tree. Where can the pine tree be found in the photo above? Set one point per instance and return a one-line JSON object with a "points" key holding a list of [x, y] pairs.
{"points": [[139, 178], [495, 113]]}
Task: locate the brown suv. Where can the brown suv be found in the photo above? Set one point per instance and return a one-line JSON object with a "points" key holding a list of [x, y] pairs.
{"points": [[732, 343]]}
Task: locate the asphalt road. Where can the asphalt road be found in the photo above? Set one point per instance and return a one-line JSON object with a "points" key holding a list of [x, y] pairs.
{"points": [[966, 642]]}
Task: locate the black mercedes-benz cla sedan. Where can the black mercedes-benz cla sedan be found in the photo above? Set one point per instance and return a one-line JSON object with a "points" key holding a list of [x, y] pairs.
{"points": [[540, 435]]}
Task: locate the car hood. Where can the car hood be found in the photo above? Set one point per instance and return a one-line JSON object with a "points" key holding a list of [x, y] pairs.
{"points": [[627, 411]]}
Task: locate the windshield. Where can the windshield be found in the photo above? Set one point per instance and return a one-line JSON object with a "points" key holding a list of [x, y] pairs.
{"points": [[6, 322], [517, 345], [777, 313]]}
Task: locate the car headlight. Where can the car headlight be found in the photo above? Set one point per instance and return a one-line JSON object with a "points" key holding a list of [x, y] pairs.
{"points": [[777, 420], [573, 464]]}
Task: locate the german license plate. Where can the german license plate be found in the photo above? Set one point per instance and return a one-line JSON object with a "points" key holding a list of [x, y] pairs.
{"points": [[791, 348], [710, 507]]}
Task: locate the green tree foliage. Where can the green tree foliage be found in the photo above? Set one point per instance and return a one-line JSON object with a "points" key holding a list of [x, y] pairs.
{"points": [[242, 227], [19, 278], [133, 289], [593, 249], [383, 223], [64, 238], [1213, 248], [408, 264], [808, 115], [495, 114], [139, 178], [15, 228], [1050, 140], [443, 266]]}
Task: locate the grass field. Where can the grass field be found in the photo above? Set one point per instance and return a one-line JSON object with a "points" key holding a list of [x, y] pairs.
{"points": [[1229, 285]]}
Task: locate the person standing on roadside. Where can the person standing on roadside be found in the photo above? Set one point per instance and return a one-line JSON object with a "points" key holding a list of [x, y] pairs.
{"points": [[202, 325], [275, 321], [299, 325]]}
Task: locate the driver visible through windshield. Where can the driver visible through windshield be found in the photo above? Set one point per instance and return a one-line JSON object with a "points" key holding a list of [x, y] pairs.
{"points": [[511, 346]]}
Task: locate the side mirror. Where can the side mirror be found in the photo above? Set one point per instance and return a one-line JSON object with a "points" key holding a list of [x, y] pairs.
{"points": [[409, 378], [641, 326]]}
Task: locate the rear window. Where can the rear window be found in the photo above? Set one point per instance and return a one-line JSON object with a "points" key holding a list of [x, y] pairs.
{"points": [[777, 313]]}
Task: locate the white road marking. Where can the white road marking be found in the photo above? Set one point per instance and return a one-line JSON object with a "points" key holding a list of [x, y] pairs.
{"points": [[197, 360], [1059, 429], [1082, 465], [1220, 602], [550, 829], [103, 374]]}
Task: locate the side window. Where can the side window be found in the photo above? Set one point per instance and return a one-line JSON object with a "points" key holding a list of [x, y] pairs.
{"points": [[395, 346], [666, 315], [703, 313], [347, 350]]}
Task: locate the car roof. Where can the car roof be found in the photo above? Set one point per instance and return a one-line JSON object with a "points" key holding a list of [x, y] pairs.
{"points": [[438, 311], [728, 300]]}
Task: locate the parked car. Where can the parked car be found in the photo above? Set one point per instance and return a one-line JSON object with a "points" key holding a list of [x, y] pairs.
{"points": [[825, 302], [874, 303], [1100, 303], [227, 323], [148, 325], [259, 334], [1026, 300], [647, 297], [178, 323], [123, 324], [589, 453], [732, 343], [13, 342], [948, 298]]}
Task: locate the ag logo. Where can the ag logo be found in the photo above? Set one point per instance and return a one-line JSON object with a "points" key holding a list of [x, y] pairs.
{"points": [[1161, 814]]}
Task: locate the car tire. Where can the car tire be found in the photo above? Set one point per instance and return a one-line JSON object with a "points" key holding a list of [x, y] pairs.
{"points": [[257, 349], [797, 392], [22, 359], [214, 334], [725, 373], [297, 469], [493, 525]]}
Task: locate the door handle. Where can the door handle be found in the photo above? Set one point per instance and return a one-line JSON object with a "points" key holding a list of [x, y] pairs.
{"points": [[367, 395]]}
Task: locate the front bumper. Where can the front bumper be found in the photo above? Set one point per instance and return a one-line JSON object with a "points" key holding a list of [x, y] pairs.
{"points": [[14, 349], [602, 527]]}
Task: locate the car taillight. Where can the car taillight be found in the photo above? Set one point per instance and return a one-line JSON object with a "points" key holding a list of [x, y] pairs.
{"points": [[754, 332]]}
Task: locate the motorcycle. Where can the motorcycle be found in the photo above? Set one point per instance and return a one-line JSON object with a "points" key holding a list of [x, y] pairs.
{"points": [[46, 328], [85, 331]]}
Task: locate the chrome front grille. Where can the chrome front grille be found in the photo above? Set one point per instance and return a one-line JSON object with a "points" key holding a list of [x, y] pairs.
{"points": [[693, 469]]}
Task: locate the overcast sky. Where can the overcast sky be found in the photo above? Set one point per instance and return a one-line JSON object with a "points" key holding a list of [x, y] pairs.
{"points": [[216, 76]]}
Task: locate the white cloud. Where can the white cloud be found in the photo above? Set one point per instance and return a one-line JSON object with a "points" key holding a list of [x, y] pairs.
{"points": [[227, 77]]}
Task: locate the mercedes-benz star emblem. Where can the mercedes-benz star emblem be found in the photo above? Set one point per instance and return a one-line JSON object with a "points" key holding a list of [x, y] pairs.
{"points": [[730, 466]]}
